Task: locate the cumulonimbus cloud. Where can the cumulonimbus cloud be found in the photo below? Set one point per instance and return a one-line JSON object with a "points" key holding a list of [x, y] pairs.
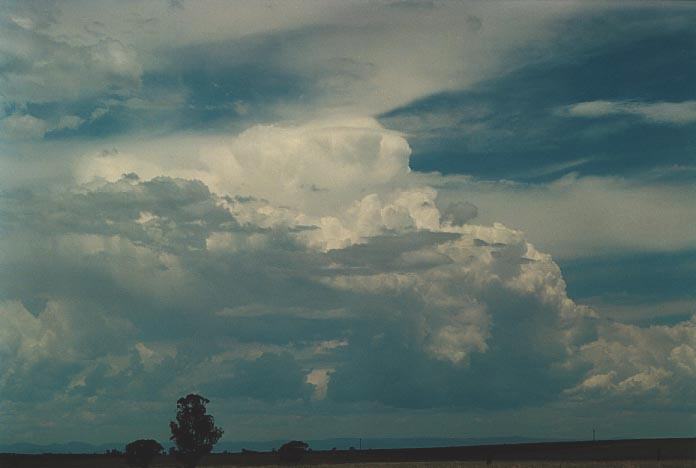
{"points": [[187, 254]]}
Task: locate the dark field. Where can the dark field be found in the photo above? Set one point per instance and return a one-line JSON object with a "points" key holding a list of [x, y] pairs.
{"points": [[665, 453]]}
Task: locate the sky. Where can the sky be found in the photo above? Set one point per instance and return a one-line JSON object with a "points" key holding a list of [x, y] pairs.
{"points": [[347, 219]]}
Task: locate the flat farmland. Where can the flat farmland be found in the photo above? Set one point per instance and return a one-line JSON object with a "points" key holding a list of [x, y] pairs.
{"points": [[644, 453], [49, 463]]}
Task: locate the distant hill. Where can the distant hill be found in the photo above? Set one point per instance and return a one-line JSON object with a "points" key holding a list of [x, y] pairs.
{"points": [[343, 443], [67, 447]]}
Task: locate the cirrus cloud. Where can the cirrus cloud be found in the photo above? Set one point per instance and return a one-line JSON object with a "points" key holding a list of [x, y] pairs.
{"points": [[670, 113]]}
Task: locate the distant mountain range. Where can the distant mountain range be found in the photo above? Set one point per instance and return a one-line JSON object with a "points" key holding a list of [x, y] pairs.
{"points": [[67, 447], [320, 444]]}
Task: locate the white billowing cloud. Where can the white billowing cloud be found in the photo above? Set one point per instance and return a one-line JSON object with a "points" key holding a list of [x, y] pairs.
{"points": [[319, 379], [316, 250], [461, 325], [315, 167], [673, 113], [403, 210], [349, 178], [325, 173], [628, 360]]}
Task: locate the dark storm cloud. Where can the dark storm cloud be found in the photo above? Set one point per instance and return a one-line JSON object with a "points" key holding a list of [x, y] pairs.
{"points": [[385, 253], [269, 377]]}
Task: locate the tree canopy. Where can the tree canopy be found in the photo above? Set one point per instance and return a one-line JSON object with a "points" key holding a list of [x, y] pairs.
{"points": [[194, 432], [141, 452], [293, 451]]}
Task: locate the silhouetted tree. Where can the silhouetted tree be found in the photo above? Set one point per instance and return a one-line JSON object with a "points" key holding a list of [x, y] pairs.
{"points": [[141, 452], [293, 451], [194, 433]]}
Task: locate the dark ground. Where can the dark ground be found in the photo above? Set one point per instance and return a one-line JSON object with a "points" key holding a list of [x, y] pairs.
{"points": [[639, 450]]}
